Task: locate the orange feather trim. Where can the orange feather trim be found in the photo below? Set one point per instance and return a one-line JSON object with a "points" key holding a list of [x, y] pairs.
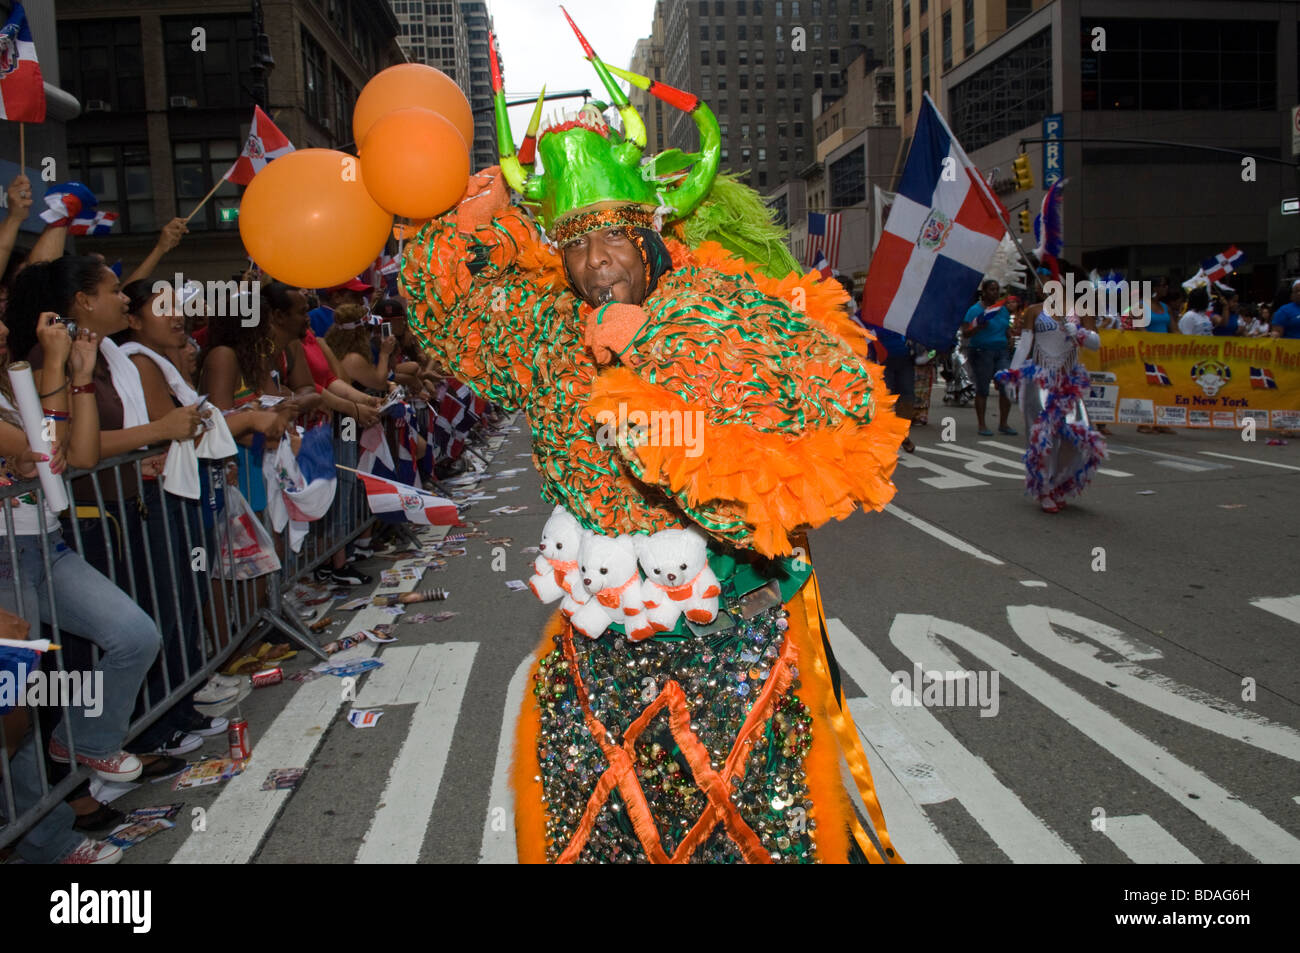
{"points": [[783, 481], [530, 815]]}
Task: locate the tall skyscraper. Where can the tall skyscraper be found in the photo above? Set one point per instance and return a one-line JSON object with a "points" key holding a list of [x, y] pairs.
{"points": [[757, 63], [478, 82], [648, 60], [433, 32]]}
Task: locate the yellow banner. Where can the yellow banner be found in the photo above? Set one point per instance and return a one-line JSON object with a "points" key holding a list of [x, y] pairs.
{"points": [[1175, 380]]}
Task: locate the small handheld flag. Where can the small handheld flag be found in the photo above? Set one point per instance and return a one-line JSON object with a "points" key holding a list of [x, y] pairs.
{"points": [[22, 90], [100, 224], [67, 201], [387, 497], [265, 142]]}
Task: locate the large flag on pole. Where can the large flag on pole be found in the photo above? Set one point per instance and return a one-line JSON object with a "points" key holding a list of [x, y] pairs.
{"points": [[265, 142], [22, 90], [943, 228], [823, 238], [389, 498]]}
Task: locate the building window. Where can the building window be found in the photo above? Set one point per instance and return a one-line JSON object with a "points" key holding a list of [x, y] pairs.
{"points": [[742, 57], [762, 154], [740, 8], [704, 57], [1188, 64], [817, 81], [720, 33], [925, 55], [100, 60], [794, 8], [947, 38], [762, 177], [313, 73], [760, 80], [848, 180], [196, 167], [1017, 10], [744, 80], [344, 99], [704, 34], [744, 107], [907, 13], [1008, 95], [722, 81], [758, 57], [780, 8], [798, 130], [817, 32], [780, 80], [853, 31], [721, 57], [907, 78], [704, 8], [120, 178], [741, 31], [218, 78], [968, 27], [706, 84], [816, 8]]}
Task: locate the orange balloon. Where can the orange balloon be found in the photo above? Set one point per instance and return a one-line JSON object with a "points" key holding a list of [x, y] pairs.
{"points": [[415, 163], [411, 84], [308, 220]]}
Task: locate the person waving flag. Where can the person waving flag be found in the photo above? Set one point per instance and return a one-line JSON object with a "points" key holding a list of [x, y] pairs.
{"points": [[265, 142]]}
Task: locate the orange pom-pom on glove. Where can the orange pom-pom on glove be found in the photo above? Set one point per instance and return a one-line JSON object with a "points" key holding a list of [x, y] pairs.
{"points": [[611, 329]]}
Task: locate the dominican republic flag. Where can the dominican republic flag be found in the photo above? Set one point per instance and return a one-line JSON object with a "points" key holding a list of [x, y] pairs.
{"points": [[1223, 264], [22, 90], [1156, 375], [385, 269], [68, 201], [101, 224], [942, 232], [1049, 229], [414, 505], [1262, 378], [823, 237], [265, 142], [822, 265]]}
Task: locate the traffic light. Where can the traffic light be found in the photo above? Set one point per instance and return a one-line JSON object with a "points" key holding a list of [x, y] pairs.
{"points": [[1024, 178], [1026, 227]]}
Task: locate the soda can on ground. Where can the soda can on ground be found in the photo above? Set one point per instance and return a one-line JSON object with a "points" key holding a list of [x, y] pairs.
{"points": [[237, 734]]}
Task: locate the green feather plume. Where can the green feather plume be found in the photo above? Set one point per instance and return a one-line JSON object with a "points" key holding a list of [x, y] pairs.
{"points": [[734, 216]]}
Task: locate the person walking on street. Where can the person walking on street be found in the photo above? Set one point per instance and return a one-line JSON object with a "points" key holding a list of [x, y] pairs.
{"points": [[987, 331]]}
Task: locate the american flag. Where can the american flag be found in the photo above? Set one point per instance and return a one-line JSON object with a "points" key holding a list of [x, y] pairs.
{"points": [[823, 237]]}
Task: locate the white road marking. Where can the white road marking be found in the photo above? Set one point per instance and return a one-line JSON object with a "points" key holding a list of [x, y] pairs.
{"points": [[1262, 463], [1019, 451], [918, 637], [1033, 583], [1014, 828], [499, 846], [945, 480], [435, 679], [931, 530], [1144, 841], [1037, 627], [978, 462], [1287, 607], [1185, 466], [242, 814]]}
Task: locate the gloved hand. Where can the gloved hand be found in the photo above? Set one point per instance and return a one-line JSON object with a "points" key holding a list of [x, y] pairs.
{"points": [[611, 329]]}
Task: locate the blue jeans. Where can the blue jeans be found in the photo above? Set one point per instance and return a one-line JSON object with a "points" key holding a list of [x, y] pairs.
{"points": [[88, 605], [53, 837]]}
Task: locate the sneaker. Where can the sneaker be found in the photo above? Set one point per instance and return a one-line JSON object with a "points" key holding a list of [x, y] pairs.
{"points": [[219, 689], [206, 725], [103, 818], [181, 742], [120, 767], [347, 576], [94, 852], [362, 552]]}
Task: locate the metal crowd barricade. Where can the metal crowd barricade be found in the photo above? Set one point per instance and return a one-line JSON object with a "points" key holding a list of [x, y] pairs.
{"points": [[227, 612]]}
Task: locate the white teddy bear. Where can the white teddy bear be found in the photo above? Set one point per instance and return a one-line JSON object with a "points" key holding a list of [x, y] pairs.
{"points": [[677, 578], [607, 571], [556, 565]]}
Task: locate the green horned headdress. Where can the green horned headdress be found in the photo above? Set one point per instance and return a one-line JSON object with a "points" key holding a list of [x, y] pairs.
{"points": [[593, 176]]}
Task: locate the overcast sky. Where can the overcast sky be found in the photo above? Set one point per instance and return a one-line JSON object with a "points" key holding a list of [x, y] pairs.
{"points": [[538, 47]]}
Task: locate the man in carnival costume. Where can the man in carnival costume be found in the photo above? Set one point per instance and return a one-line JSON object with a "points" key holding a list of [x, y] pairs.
{"points": [[654, 734]]}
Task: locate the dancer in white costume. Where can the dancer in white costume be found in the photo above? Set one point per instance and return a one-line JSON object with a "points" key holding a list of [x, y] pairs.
{"points": [[1062, 449]]}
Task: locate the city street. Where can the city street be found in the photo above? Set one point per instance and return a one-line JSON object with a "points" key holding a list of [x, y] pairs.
{"points": [[1145, 711]]}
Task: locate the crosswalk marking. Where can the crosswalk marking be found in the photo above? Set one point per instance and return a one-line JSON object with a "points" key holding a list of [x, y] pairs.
{"points": [[918, 637], [1021, 835], [1185, 466], [944, 478], [434, 678], [499, 845], [1144, 841], [1287, 607], [958, 544], [1262, 463], [243, 813]]}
